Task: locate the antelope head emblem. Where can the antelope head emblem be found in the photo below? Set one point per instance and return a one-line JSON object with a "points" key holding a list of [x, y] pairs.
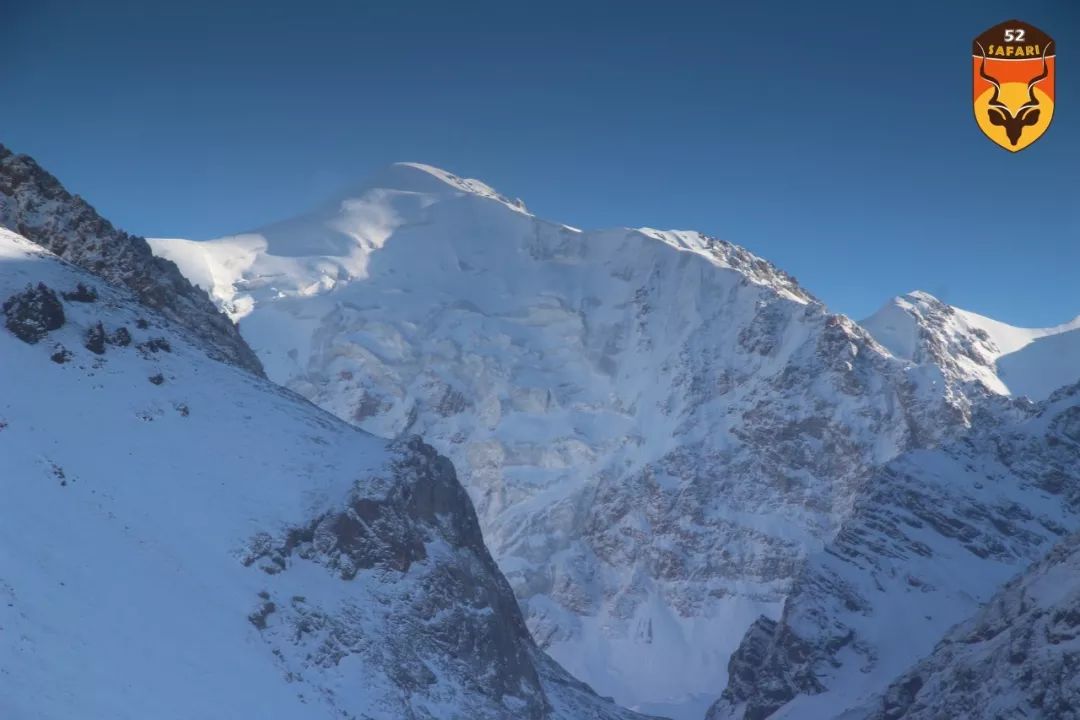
{"points": [[1000, 114]]}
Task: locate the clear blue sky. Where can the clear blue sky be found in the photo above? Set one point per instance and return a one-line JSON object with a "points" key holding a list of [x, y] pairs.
{"points": [[834, 138]]}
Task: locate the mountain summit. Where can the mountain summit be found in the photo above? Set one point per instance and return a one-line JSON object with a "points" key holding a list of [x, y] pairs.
{"points": [[656, 427], [970, 347], [427, 179]]}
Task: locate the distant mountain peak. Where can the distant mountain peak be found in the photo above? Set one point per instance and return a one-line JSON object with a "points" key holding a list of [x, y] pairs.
{"points": [[1005, 359], [920, 296]]}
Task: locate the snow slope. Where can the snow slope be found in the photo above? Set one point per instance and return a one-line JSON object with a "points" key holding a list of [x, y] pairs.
{"points": [[932, 537], [182, 539], [1038, 368], [655, 426], [1005, 359]]}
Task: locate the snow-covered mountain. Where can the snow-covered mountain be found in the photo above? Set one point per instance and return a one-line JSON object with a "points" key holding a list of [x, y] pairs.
{"points": [[656, 427], [682, 461], [180, 538], [1018, 657], [1005, 359], [931, 538]]}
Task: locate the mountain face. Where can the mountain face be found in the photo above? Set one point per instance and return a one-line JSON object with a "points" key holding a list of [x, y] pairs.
{"points": [[1018, 657], [35, 205], [655, 427], [930, 539], [683, 463], [182, 539], [1004, 359]]}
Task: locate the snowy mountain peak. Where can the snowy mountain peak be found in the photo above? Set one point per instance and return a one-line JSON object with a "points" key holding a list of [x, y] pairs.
{"points": [[382, 228], [1006, 360], [428, 179], [903, 326], [655, 425], [918, 296]]}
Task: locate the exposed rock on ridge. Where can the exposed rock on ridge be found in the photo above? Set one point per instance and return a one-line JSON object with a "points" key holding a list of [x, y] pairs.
{"points": [[35, 205]]}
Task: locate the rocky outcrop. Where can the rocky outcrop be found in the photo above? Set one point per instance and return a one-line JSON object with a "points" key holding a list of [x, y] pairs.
{"points": [[457, 630], [765, 677], [34, 204], [32, 313], [455, 614]]}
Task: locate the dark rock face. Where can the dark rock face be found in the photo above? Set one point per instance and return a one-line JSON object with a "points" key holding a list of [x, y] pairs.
{"points": [[81, 293], [453, 614], [154, 345], [35, 205], [121, 337], [95, 339], [461, 606], [33, 313], [764, 678], [374, 532]]}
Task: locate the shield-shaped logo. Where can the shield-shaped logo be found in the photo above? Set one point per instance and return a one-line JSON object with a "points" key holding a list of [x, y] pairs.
{"points": [[1013, 68]]}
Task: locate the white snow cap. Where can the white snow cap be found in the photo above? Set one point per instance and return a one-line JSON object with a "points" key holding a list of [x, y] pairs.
{"points": [[428, 179]]}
